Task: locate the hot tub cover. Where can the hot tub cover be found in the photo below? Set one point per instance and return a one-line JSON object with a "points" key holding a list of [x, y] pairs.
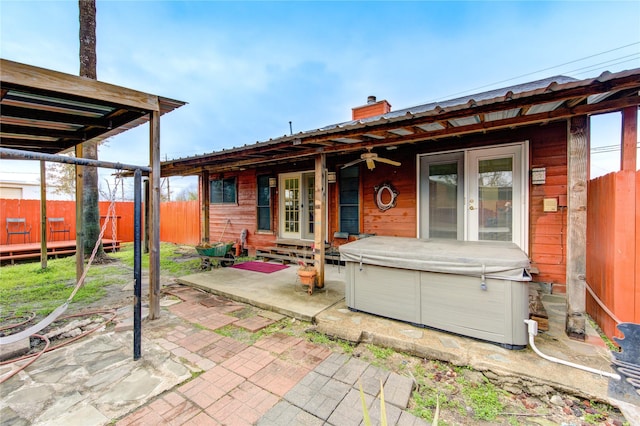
{"points": [[494, 259]]}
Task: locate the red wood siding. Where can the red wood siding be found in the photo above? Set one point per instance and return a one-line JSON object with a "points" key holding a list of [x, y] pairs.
{"points": [[399, 221], [226, 221], [548, 230], [613, 248]]}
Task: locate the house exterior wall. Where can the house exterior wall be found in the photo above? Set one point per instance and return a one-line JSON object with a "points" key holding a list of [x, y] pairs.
{"points": [[547, 230], [401, 220]]}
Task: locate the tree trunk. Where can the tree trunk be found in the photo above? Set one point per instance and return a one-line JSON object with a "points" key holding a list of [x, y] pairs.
{"points": [[88, 59]]}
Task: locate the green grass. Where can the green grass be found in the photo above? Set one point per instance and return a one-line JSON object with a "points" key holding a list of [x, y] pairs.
{"points": [[26, 287], [318, 338], [322, 339], [347, 347], [169, 254], [380, 352], [248, 337], [484, 399], [226, 331]]}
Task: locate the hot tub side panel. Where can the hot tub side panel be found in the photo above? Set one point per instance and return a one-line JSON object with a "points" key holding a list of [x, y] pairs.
{"points": [[459, 304], [388, 292], [449, 302]]}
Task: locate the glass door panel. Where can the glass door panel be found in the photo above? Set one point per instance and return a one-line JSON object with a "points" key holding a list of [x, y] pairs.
{"points": [[309, 205], [495, 195], [441, 192], [297, 192], [290, 204]]}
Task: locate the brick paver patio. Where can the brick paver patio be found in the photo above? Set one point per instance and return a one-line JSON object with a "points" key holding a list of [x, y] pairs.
{"points": [[278, 380]]}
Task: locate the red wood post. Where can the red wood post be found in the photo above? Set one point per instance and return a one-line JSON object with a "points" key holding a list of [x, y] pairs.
{"points": [[628, 158]]}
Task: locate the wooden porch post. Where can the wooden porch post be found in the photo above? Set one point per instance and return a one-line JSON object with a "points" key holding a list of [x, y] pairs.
{"points": [[146, 217], [79, 221], [319, 213], [629, 138], [205, 199], [578, 149], [154, 216]]}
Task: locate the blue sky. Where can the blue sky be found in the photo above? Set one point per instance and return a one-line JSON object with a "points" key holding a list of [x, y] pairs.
{"points": [[248, 68]]}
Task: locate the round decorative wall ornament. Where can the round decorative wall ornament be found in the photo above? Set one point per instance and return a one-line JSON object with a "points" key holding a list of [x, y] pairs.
{"points": [[385, 196]]}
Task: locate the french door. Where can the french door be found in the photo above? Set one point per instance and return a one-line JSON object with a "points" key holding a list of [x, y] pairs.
{"points": [[296, 205], [474, 195]]}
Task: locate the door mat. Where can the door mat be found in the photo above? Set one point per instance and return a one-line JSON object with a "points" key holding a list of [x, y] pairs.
{"points": [[264, 267]]}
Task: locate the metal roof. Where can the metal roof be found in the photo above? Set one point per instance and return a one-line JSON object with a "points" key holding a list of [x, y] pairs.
{"points": [[50, 112], [541, 101]]}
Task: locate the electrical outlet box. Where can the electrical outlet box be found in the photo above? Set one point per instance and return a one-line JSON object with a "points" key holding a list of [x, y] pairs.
{"points": [[550, 205], [562, 201]]}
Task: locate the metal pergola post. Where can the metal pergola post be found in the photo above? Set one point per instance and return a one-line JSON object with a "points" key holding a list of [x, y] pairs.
{"points": [[14, 154]]}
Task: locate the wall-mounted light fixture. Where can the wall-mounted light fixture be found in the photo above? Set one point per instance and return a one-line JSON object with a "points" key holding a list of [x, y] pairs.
{"points": [[331, 177], [273, 182]]}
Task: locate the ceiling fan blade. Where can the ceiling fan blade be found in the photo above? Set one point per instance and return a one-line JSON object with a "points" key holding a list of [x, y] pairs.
{"points": [[386, 160], [370, 164], [352, 163]]}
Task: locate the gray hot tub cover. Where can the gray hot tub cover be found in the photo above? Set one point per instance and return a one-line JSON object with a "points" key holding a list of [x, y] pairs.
{"points": [[501, 260]]}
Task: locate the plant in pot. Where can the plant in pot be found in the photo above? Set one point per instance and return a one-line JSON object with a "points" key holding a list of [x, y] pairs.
{"points": [[307, 275]]}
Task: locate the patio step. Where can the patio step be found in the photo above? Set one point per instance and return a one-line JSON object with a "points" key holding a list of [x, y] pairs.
{"points": [[295, 251]]}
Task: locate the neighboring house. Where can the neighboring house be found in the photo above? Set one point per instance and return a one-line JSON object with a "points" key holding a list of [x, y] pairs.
{"points": [[507, 164], [25, 186]]}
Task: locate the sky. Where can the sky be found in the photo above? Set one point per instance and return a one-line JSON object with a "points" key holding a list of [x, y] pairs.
{"points": [[247, 69]]}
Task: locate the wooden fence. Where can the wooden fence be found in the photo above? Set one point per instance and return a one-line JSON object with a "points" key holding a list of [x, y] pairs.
{"points": [[613, 248], [179, 221]]}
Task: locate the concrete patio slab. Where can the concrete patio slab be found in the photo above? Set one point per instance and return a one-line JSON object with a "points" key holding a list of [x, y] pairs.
{"points": [[279, 291]]}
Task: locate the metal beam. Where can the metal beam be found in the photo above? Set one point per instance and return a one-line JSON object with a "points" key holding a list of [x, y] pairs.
{"points": [[16, 154]]}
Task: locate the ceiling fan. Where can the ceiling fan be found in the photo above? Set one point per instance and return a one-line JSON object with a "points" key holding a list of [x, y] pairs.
{"points": [[371, 158]]}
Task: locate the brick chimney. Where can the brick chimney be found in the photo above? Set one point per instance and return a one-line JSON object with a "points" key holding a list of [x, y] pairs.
{"points": [[371, 109]]}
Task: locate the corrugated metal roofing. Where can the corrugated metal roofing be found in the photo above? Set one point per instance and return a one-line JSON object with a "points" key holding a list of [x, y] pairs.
{"points": [[464, 100], [539, 101]]}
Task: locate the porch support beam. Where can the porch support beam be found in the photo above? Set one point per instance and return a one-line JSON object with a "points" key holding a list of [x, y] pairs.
{"points": [[43, 214], [629, 138], [79, 217], [154, 219], [205, 198], [319, 214], [578, 148]]}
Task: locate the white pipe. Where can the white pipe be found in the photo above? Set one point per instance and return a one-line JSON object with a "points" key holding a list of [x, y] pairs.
{"points": [[532, 327]]}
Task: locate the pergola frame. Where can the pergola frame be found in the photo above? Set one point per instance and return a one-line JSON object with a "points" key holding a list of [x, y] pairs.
{"points": [[50, 112]]}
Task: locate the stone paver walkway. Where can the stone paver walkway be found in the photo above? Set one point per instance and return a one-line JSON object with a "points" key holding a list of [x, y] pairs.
{"points": [[278, 380]]}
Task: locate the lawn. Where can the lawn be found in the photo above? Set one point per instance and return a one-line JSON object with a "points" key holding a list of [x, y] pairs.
{"points": [[26, 287]]}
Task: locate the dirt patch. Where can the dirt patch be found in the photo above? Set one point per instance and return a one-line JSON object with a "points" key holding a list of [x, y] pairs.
{"points": [[469, 397]]}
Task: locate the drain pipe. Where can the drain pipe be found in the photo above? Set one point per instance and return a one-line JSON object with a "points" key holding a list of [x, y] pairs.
{"points": [[532, 327]]}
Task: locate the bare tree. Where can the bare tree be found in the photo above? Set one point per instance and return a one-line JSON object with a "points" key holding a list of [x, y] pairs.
{"points": [[62, 177], [88, 59]]}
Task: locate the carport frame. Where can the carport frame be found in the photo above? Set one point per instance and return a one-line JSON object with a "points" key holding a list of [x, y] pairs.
{"points": [[14, 154], [46, 111]]}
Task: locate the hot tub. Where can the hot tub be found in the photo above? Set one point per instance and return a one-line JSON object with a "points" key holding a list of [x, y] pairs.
{"points": [[473, 288]]}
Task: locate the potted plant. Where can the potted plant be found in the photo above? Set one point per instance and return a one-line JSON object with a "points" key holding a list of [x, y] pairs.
{"points": [[307, 275]]}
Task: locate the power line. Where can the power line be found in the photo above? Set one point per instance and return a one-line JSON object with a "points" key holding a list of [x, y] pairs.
{"points": [[592, 68], [545, 69]]}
